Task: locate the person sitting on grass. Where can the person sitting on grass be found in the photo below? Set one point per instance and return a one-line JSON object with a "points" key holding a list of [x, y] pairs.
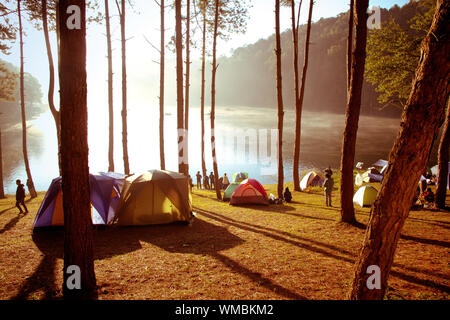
{"points": [[428, 197], [20, 197], [287, 195]]}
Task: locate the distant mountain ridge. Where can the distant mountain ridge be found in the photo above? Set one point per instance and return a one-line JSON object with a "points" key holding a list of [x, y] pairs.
{"points": [[248, 76]]}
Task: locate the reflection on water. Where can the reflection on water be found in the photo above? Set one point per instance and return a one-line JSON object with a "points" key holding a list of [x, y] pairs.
{"points": [[320, 142]]}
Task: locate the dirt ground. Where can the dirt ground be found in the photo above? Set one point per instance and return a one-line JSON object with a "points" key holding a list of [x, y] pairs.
{"points": [[290, 251]]}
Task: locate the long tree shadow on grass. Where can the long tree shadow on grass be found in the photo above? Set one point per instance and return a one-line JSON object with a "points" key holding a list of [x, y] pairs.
{"points": [[204, 238], [200, 238], [271, 234]]}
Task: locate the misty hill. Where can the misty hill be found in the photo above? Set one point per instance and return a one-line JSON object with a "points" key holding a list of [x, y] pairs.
{"points": [[248, 76]]}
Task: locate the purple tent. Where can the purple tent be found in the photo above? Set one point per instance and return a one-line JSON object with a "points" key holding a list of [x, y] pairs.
{"points": [[105, 193]]}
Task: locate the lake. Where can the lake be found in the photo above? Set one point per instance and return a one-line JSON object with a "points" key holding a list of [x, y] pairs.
{"points": [[244, 142]]}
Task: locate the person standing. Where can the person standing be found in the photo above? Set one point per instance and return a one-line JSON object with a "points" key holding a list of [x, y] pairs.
{"points": [[199, 180], [206, 182], [20, 197], [211, 180], [225, 181], [328, 188]]}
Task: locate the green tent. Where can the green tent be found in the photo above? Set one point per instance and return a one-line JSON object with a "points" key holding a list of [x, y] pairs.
{"points": [[229, 191], [365, 196], [155, 197]]}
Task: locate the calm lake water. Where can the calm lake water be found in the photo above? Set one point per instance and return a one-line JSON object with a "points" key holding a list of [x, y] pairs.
{"points": [[320, 143]]}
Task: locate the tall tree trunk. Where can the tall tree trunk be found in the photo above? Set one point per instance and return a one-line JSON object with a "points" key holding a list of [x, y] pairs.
{"points": [[442, 177], [30, 183], [2, 188], [279, 100], [180, 102], [110, 92], [350, 43], [299, 106], [202, 98], [352, 112], [429, 93], [295, 171], [161, 93], [78, 249], [51, 84], [213, 102], [126, 164], [188, 69]]}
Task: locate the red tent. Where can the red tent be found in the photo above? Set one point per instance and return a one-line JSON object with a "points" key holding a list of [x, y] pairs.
{"points": [[249, 191]]}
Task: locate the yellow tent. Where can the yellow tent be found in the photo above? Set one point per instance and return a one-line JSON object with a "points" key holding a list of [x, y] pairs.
{"points": [[154, 197]]}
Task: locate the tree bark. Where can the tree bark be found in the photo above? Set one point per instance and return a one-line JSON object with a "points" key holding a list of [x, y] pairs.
{"points": [[442, 177], [408, 158], [279, 100], [299, 107], [295, 167], [78, 249], [51, 84], [202, 98], [352, 112], [188, 69], [213, 102], [126, 164], [30, 183], [350, 43], [161, 92], [110, 92], [180, 99], [2, 188]]}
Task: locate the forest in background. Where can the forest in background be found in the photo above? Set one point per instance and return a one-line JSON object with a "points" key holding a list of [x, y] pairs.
{"points": [[247, 77]]}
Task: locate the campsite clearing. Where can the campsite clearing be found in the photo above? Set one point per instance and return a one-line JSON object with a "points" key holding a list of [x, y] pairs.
{"points": [[291, 251]]}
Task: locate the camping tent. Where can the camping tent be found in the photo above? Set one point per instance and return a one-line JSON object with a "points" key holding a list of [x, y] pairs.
{"points": [[155, 197], [311, 179], [249, 191], [434, 171], [229, 191], [365, 196], [119, 177], [381, 163], [104, 199], [240, 176]]}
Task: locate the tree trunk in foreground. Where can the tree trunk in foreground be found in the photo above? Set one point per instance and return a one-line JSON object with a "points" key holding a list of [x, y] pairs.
{"points": [[30, 183], [51, 84], [180, 98], [126, 163], [425, 111], [162, 159], [2, 188], [442, 177], [298, 110], [279, 100], [350, 43], [78, 250], [295, 172], [202, 98], [213, 103], [188, 69], [110, 92], [352, 113]]}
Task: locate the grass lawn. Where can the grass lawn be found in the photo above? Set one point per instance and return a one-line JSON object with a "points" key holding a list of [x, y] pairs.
{"points": [[290, 251]]}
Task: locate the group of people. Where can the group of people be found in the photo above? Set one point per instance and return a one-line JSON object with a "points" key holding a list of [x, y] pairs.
{"points": [[207, 181]]}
